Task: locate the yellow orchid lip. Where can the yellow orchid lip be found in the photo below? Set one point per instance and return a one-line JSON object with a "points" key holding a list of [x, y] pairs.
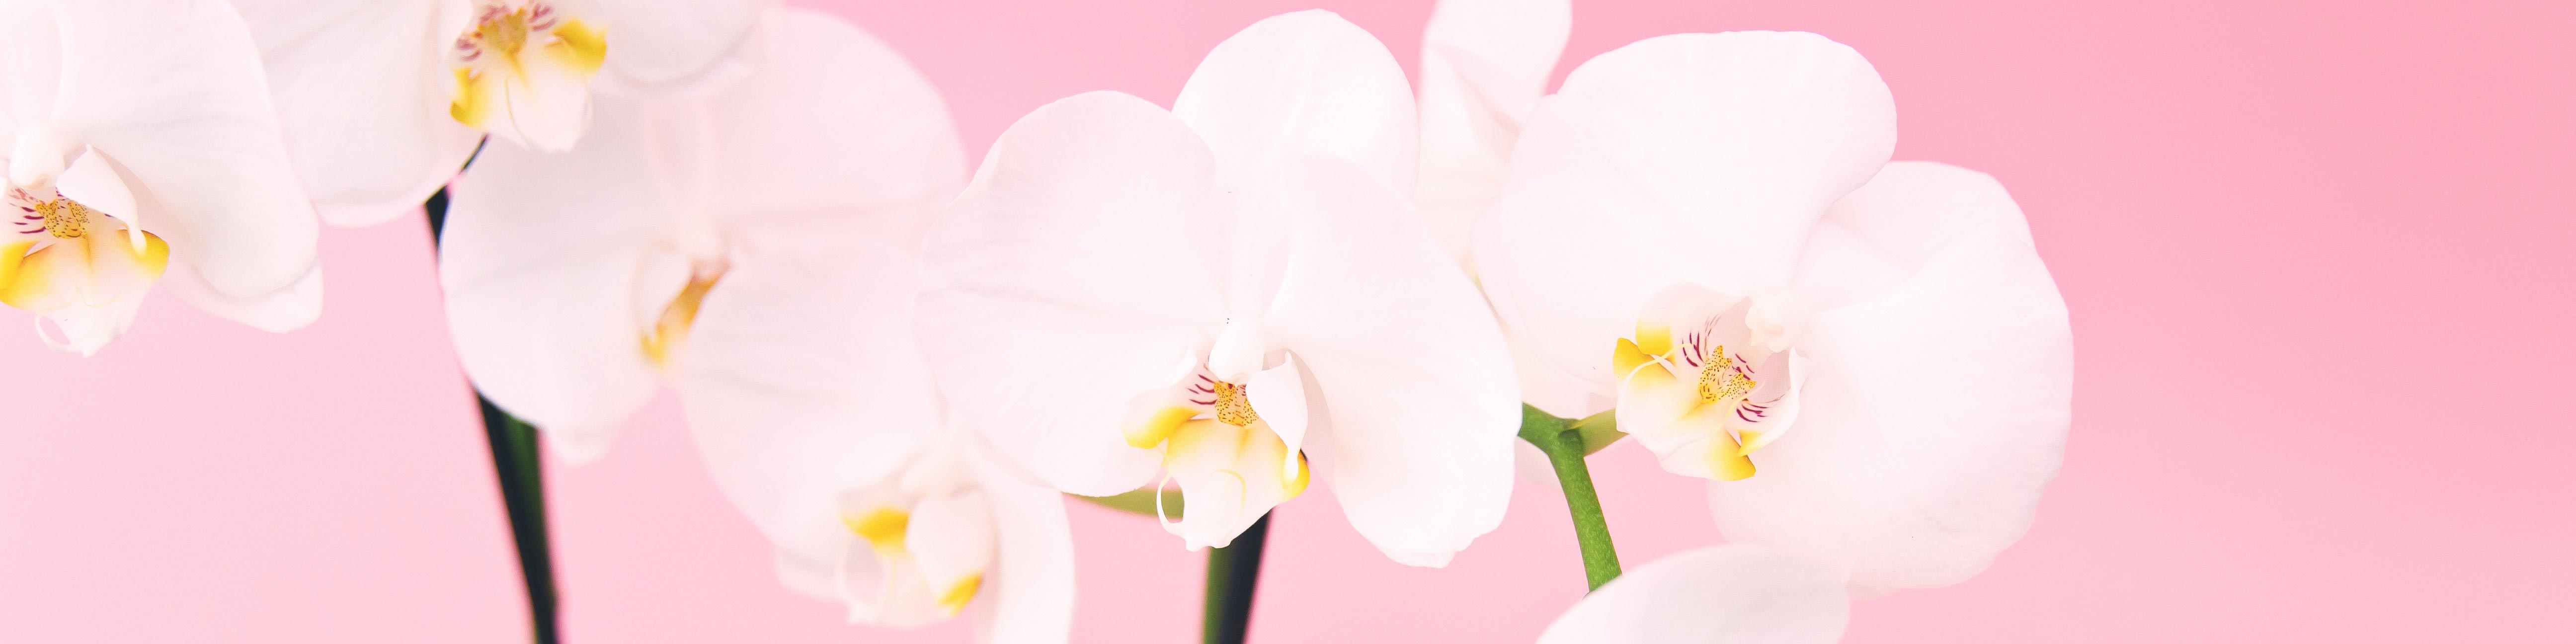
{"points": [[518, 65]]}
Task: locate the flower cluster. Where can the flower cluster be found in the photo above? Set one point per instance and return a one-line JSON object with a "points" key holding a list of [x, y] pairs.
{"points": [[1303, 272]]}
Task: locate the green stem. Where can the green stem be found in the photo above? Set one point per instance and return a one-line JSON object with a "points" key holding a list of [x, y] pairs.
{"points": [[1232, 572], [1563, 443], [523, 487]]}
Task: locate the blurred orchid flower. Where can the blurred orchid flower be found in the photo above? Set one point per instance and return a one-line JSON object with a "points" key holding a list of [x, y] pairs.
{"points": [[385, 99], [139, 133], [824, 429], [575, 280], [1484, 65], [1717, 595], [1708, 226], [1222, 291]]}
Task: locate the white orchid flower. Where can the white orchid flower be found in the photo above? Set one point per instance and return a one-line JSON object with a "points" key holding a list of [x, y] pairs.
{"points": [[830, 438], [385, 99], [1717, 595], [575, 280], [139, 139], [1226, 292], [1707, 225]]}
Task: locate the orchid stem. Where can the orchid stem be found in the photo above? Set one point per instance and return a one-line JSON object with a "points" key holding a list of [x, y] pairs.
{"points": [[523, 486], [1232, 572], [1565, 451]]}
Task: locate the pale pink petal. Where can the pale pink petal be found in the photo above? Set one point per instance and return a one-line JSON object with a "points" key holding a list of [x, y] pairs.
{"points": [[1411, 370], [1935, 414], [1303, 82], [552, 264], [846, 136], [1713, 595], [1030, 594], [1484, 65], [1074, 273], [802, 381], [653, 41], [361, 94], [172, 93]]}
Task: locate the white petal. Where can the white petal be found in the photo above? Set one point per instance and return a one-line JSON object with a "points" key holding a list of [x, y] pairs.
{"points": [[951, 536], [1935, 415], [1409, 364], [277, 312], [361, 95], [1303, 82], [654, 41], [544, 262], [1484, 64], [1700, 157], [1279, 396], [172, 93], [1905, 215], [1071, 275], [802, 381], [1031, 592], [846, 135], [1714, 595], [546, 102], [30, 63]]}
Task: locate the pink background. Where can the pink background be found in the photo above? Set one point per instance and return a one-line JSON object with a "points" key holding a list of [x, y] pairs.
{"points": [[2317, 254]]}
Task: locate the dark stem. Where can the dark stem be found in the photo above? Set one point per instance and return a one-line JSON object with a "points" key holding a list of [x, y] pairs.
{"points": [[523, 486], [1232, 572], [1565, 451], [523, 495]]}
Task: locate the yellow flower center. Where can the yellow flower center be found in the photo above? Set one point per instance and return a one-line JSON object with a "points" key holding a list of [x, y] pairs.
{"points": [[670, 332], [64, 218], [506, 31], [1233, 407], [1720, 380]]}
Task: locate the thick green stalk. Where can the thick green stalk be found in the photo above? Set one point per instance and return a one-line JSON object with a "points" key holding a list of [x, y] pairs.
{"points": [[523, 487], [1232, 572], [1563, 442]]}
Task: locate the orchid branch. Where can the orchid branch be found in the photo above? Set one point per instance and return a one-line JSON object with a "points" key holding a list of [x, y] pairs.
{"points": [[1566, 441]]}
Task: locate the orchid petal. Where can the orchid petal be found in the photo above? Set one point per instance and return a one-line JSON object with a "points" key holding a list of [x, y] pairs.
{"points": [[548, 260], [1702, 157], [172, 94], [1412, 371], [656, 41], [1279, 394], [1484, 65], [1715, 595], [1032, 593], [1072, 275], [951, 537], [802, 381], [31, 69], [1935, 414], [1303, 82], [361, 97], [836, 103], [1880, 234]]}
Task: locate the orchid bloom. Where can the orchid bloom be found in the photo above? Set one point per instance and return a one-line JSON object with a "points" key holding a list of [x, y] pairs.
{"points": [[139, 140], [576, 280], [1717, 595], [1708, 227], [835, 447], [1234, 293], [385, 99]]}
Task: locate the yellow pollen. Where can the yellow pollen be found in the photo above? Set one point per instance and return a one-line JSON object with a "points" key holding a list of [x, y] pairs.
{"points": [[506, 32], [1718, 379], [64, 218], [1233, 407]]}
